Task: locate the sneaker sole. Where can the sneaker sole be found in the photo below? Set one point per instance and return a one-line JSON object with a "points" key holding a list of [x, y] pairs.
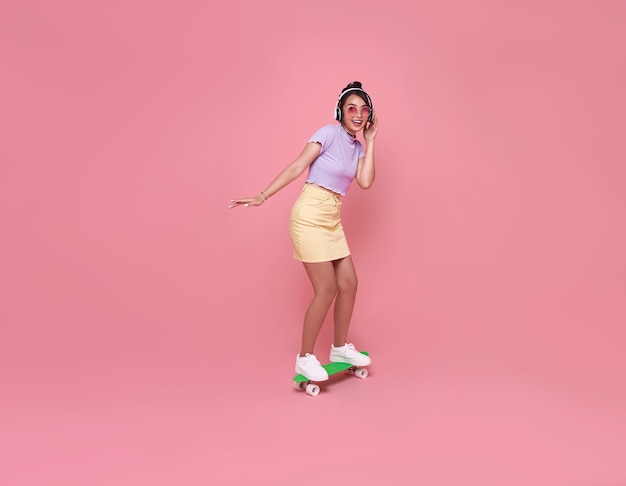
{"points": [[334, 359], [299, 372]]}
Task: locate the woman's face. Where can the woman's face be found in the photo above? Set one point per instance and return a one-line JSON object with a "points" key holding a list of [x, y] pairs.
{"points": [[355, 113]]}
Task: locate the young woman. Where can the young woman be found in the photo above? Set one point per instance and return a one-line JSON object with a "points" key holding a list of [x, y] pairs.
{"points": [[334, 158]]}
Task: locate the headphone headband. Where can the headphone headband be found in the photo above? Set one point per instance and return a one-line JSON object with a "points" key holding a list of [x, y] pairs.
{"points": [[339, 113]]}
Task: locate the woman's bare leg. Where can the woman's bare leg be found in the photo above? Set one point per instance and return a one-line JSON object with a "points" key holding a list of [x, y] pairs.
{"points": [[322, 277], [345, 275]]}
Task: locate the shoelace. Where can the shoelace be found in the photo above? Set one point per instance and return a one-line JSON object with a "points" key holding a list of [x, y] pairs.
{"points": [[350, 348], [311, 360]]}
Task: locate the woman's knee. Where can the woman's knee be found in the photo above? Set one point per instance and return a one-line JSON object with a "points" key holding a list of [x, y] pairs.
{"points": [[348, 285], [326, 291]]}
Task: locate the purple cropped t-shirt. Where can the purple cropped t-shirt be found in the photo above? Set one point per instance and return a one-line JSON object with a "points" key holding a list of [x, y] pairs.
{"points": [[336, 165]]}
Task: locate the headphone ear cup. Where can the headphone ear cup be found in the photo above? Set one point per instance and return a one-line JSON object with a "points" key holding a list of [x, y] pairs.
{"points": [[338, 112], [371, 116]]}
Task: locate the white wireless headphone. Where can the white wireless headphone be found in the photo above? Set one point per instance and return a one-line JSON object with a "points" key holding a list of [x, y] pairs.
{"points": [[339, 112]]}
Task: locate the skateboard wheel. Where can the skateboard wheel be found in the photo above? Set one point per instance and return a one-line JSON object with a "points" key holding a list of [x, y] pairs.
{"points": [[312, 390], [361, 373], [300, 386]]}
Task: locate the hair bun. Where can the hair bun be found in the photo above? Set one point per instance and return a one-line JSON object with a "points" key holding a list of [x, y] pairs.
{"points": [[354, 84]]}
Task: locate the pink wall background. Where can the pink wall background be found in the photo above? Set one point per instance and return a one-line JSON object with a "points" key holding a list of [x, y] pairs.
{"points": [[148, 333]]}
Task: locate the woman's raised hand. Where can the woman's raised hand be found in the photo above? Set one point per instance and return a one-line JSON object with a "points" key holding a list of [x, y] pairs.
{"points": [[369, 133]]}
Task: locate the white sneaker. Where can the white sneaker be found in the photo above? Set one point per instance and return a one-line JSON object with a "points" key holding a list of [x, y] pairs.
{"points": [[310, 367], [348, 354]]}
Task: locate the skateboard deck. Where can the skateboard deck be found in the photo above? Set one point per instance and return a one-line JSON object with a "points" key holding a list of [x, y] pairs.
{"points": [[302, 383]]}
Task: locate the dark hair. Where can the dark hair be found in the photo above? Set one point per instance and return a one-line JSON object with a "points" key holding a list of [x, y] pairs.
{"points": [[360, 94]]}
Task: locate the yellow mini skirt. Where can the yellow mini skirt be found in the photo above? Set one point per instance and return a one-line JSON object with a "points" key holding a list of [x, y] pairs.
{"points": [[315, 226]]}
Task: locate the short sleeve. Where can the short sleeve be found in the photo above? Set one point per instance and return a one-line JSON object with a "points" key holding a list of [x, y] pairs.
{"points": [[323, 136]]}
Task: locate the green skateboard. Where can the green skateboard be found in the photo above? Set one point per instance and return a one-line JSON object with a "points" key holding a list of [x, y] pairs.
{"points": [[302, 383]]}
